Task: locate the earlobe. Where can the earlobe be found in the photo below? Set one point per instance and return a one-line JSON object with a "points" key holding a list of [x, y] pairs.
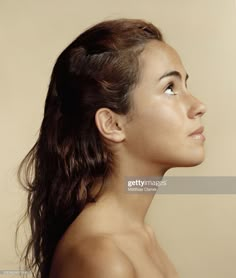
{"points": [[109, 125]]}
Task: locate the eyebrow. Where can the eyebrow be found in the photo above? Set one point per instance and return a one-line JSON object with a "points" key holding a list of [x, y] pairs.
{"points": [[173, 73]]}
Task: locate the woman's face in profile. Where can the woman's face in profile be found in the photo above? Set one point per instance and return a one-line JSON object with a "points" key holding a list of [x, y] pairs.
{"points": [[165, 112]]}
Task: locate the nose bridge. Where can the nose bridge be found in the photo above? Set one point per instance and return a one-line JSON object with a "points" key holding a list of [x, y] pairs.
{"points": [[195, 107]]}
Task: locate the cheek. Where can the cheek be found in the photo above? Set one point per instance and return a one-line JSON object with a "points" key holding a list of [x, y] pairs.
{"points": [[156, 129], [164, 121], [160, 136]]}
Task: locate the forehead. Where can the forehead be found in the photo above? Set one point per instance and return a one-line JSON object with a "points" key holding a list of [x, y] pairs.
{"points": [[158, 58]]}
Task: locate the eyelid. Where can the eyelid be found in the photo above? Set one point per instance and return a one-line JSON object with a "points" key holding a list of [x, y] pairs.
{"points": [[170, 86], [172, 83]]}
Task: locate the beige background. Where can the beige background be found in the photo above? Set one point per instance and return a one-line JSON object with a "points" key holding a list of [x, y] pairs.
{"points": [[197, 231]]}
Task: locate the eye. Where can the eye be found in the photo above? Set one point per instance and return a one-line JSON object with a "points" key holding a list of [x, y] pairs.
{"points": [[169, 89]]}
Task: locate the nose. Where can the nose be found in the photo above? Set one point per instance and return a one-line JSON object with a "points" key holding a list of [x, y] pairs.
{"points": [[197, 108]]}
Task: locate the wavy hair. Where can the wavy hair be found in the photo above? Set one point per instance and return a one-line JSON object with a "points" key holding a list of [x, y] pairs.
{"points": [[98, 69]]}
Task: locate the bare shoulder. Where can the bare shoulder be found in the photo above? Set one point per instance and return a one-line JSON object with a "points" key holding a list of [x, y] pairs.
{"points": [[96, 257]]}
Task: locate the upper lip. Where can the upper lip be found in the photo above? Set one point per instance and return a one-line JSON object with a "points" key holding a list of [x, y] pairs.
{"points": [[197, 131]]}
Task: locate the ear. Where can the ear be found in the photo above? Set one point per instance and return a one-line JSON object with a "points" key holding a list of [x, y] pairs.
{"points": [[110, 125]]}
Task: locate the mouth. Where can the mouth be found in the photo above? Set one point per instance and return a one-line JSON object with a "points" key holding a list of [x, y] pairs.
{"points": [[197, 134]]}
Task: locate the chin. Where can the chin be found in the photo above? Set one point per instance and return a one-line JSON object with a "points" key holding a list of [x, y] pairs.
{"points": [[193, 161], [188, 160]]}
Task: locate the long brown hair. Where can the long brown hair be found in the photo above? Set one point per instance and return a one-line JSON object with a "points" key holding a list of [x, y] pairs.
{"points": [[98, 69]]}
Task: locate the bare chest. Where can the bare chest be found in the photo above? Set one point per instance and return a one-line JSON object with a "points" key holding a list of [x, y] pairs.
{"points": [[148, 259]]}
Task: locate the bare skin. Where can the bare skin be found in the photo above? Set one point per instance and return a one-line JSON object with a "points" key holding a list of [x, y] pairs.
{"points": [[155, 140], [138, 246]]}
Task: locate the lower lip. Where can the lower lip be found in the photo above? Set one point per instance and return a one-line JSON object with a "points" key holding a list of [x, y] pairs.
{"points": [[199, 136]]}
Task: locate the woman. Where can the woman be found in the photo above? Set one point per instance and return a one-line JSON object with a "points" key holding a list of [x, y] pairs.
{"points": [[117, 106]]}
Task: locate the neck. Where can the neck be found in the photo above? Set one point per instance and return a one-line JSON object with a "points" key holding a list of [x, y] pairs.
{"points": [[127, 207]]}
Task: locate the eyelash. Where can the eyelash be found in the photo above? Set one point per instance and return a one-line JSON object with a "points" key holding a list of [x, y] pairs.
{"points": [[170, 86]]}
